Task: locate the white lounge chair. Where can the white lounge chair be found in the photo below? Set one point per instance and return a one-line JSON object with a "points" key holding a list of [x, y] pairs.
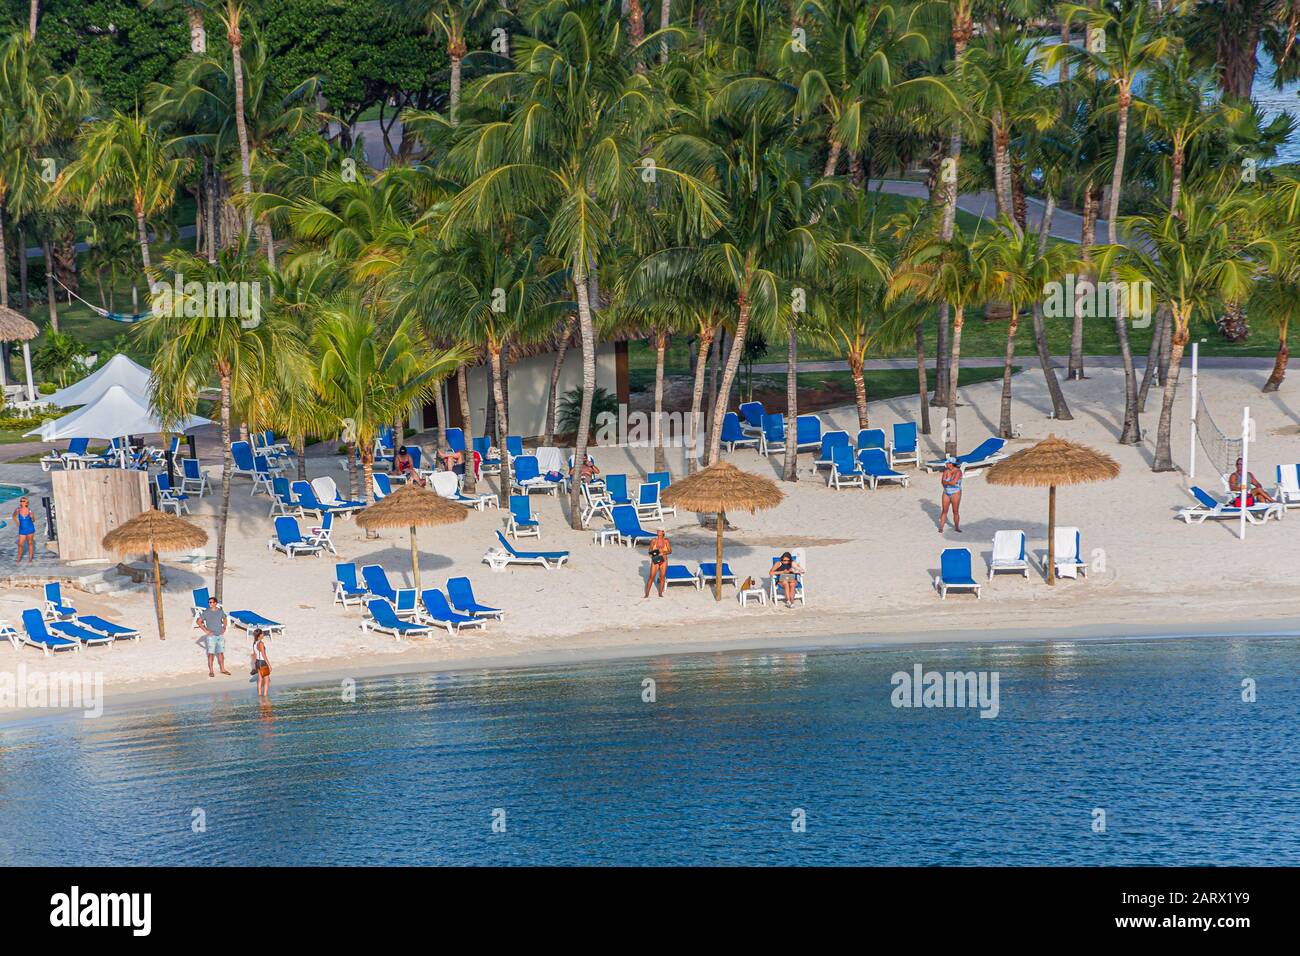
{"points": [[1008, 553], [1288, 486], [1069, 554], [1207, 506], [498, 559]]}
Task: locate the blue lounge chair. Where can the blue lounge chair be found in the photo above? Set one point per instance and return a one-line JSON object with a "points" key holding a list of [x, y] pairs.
{"points": [[520, 523], [385, 446], [439, 613], [322, 535], [455, 440], [500, 558], [845, 471], [774, 589], [514, 445], [876, 466], [732, 435], [1008, 553], [1207, 506], [903, 450], [75, 452], [169, 497], [680, 574], [825, 457], [36, 634], [871, 438], [242, 453], [529, 478], [289, 540], [616, 489], [54, 606], [402, 600], [461, 594], [661, 478], [308, 502], [384, 620], [75, 631], [243, 619], [751, 414], [193, 477], [647, 502], [985, 453], [707, 573], [118, 632], [807, 432], [282, 500], [346, 589], [628, 526], [380, 485], [488, 463], [772, 438], [955, 572]]}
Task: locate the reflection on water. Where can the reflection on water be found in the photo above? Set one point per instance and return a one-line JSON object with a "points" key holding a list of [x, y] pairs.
{"points": [[583, 770]]}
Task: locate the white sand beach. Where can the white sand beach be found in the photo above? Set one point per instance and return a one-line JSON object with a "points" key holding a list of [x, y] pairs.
{"points": [[870, 556]]}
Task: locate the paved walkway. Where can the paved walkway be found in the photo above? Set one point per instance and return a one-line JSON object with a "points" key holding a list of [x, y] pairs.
{"points": [[1058, 361]]}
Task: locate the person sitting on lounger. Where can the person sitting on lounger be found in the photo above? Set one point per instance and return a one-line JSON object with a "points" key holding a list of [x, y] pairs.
{"points": [[404, 466], [786, 574], [950, 478], [660, 548], [1254, 491]]}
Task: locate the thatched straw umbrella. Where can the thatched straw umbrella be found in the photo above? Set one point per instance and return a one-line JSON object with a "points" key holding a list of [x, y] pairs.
{"points": [[149, 533], [1053, 461], [720, 488], [411, 507], [16, 327]]}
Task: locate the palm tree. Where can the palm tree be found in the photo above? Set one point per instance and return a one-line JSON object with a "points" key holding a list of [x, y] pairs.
{"points": [[1194, 256], [1131, 47], [961, 273], [368, 375], [570, 146], [123, 161], [1023, 266], [198, 339], [454, 19]]}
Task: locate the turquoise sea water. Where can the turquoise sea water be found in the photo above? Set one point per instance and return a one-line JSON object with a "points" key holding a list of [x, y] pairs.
{"points": [[581, 769]]}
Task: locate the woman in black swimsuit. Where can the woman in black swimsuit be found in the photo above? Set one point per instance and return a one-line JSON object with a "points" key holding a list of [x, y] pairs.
{"points": [[660, 548]]}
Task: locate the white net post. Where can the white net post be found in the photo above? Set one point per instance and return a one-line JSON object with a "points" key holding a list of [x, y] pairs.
{"points": [[1191, 456], [1243, 482]]}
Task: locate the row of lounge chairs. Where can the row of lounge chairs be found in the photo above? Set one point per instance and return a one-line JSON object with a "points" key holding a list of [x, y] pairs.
{"points": [[402, 612], [1009, 555], [57, 626]]}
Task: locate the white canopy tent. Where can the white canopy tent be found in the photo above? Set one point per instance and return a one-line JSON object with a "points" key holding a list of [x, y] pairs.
{"points": [[115, 414], [119, 370]]}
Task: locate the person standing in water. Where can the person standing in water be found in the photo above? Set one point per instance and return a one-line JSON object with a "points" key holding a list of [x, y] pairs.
{"points": [[660, 548], [262, 663], [26, 530], [951, 481]]}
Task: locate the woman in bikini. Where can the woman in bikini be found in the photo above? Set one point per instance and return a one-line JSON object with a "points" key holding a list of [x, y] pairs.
{"points": [[786, 574], [660, 548], [951, 481], [262, 664]]}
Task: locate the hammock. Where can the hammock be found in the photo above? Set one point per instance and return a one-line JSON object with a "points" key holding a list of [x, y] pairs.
{"points": [[127, 317]]}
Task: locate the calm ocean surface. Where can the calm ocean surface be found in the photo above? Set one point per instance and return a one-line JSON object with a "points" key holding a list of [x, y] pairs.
{"points": [[1153, 732]]}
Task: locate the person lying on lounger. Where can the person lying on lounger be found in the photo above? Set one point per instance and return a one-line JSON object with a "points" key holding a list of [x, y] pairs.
{"points": [[786, 573], [404, 467], [587, 472], [1255, 492]]}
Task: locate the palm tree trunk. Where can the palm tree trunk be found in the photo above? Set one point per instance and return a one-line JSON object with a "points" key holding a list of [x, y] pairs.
{"points": [[241, 124], [24, 299], [656, 425], [728, 375], [1075, 369], [832, 159], [557, 367], [1132, 432], [1060, 411], [1279, 364], [210, 180], [922, 387], [665, 18], [227, 464], [587, 332], [635, 22], [467, 424], [33, 14], [4, 257], [300, 453], [962, 30], [352, 470], [790, 472], [456, 51], [1152, 370], [707, 336], [142, 233], [440, 409], [367, 478], [856, 361], [954, 361], [1004, 416], [499, 399], [51, 302], [1164, 460]]}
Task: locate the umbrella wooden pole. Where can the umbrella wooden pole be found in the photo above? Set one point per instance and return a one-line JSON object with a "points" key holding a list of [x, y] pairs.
{"points": [[415, 563], [157, 594], [717, 568], [1051, 534]]}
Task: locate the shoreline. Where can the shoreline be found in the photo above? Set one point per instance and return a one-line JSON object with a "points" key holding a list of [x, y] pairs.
{"points": [[812, 637]]}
